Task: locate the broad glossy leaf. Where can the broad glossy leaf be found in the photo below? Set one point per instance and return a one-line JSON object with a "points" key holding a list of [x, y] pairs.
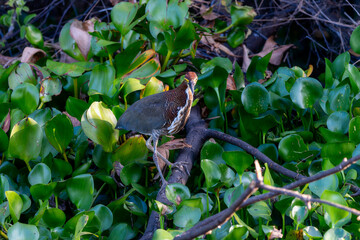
{"points": [[176, 192], [5, 76], [260, 209], [270, 150], [147, 70], [131, 85], [15, 205], [224, 63], [238, 160], [305, 92], [340, 64], [337, 233], [212, 151], [135, 205], [105, 216], [241, 15], [124, 60], [131, 173], [232, 194], [4, 186], [34, 36], [236, 37], [26, 97], [41, 173], [98, 124], [102, 159], [237, 232], [336, 214], [185, 36], [211, 171], [255, 98], [80, 190], [20, 231], [353, 74], [355, 40], [354, 130], [299, 213], [102, 80], [59, 131], [336, 152], [133, 150], [283, 204], [187, 216], [292, 147], [338, 122], [311, 232], [329, 80], [43, 191], [54, 217], [75, 69], [257, 68], [62, 167], [122, 16], [161, 234], [76, 107], [4, 212], [339, 98], [4, 141], [227, 175], [50, 87], [124, 230], [25, 140], [152, 87], [68, 44]]}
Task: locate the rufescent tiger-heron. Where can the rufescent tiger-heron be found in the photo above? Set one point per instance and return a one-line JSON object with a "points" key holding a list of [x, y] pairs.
{"points": [[160, 114]]}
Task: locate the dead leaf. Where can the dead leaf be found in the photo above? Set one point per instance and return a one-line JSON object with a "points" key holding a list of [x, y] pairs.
{"points": [[6, 125], [278, 51], [176, 144], [75, 122], [276, 233], [6, 60], [32, 55], [114, 2], [230, 83], [246, 59], [207, 13], [79, 31], [216, 46]]}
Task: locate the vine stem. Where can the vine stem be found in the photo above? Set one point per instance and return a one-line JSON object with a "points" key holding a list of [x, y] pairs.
{"points": [[28, 166], [3, 235], [166, 60], [76, 93], [65, 157]]}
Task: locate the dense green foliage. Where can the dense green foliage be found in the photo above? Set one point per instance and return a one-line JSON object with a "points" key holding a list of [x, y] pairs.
{"points": [[58, 138]]}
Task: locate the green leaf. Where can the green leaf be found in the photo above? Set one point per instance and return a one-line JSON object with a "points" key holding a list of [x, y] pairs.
{"points": [[70, 69], [337, 233], [237, 232], [161, 234], [42, 191], [339, 98], [329, 80], [336, 152], [131, 173], [41, 173], [241, 15], [355, 40], [54, 217], [20, 231], [59, 131], [270, 150], [4, 186], [76, 107], [102, 80], [260, 209], [340, 64], [305, 92], [50, 87], [240, 161], [236, 37], [354, 130], [212, 151], [338, 122], [15, 205], [336, 214], [131, 85], [25, 140], [152, 87], [22, 74], [4, 141], [133, 150], [123, 230], [187, 216], [211, 171], [99, 124], [122, 15], [257, 68], [80, 190], [80, 225], [34, 36], [292, 148], [327, 183], [26, 97], [255, 98], [68, 44], [176, 192], [185, 36], [105, 216]]}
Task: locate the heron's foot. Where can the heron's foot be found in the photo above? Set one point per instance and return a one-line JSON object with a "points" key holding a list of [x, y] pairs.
{"points": [[181, 166]]}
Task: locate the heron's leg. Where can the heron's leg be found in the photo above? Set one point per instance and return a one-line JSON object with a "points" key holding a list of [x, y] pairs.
{"points": [[155, 158]]}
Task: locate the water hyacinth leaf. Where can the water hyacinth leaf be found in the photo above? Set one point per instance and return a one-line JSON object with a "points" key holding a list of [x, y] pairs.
{"points": [[15, 205], [354, 130], [122, 16], [5, 212], [355, 40], [177, 192], [237, 232], [42, 191], [133, 150], [76, 107], [59, 131], [131, 173], [336, 214], [283, 205], [238, 160], [124, 230], [41, 173], [34, 36], [80, 190], [241, 15], [227, 175], [23, 231], [255, 98], [105, 216], [292, 147], [147, 70], [236, 37], [102, 159], [68, 44], [311, 232], [270, 150], [337, 233], [26, 97], [75, 69], [125, 60], [98, 123], [260, 209], [220, 62], [4, 141], [353, 74], [187, 216], [185, 36], [338, 122], [161, 234], [152, 87], [4, 186], [50, 87], [329, 80], [212, 151], [54, 217], [305, 92], [25, 140], [135, 205], [336, 152], [257, 68], [327, 183], [131, 85], [80, 225], [102, 80], [298, 213], [339, 98], [21, 74], [340, 64], [211, 171], [232, 194]]}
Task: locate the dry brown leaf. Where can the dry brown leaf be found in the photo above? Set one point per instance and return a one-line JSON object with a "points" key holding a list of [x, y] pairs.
{"points": [[276, 233], [207, 13], [6, 60], [353, 53], [230, 83], [6, 125], [176, 144], [79, 31], [32, 55], [114, 2], [278, 51], [75, 122], [216, 46], [246, 59]]}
